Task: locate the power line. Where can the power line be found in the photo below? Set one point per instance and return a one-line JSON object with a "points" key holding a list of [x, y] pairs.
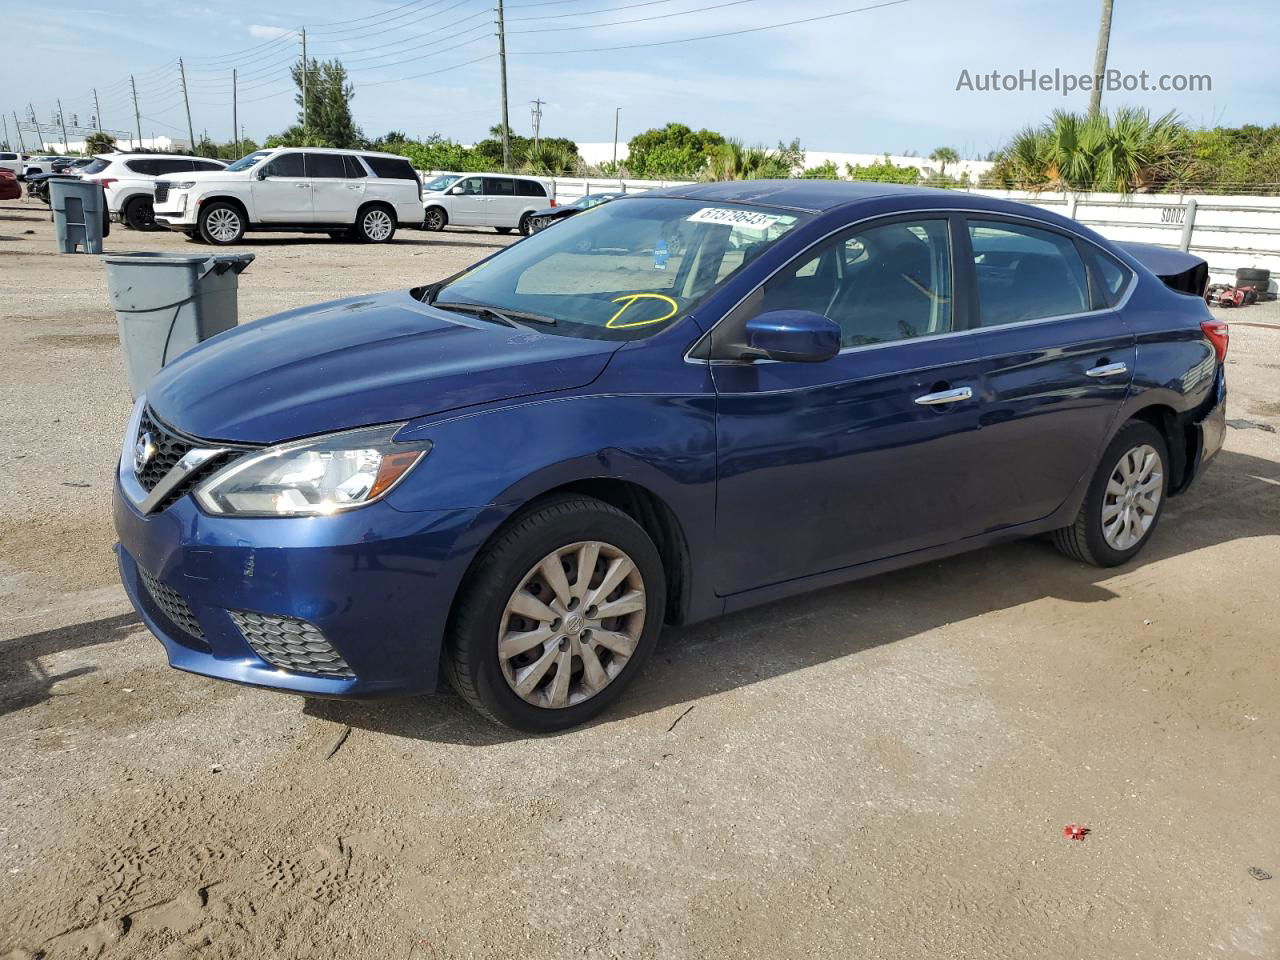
{"points": [[432, 73], [709, 36], [582, 13], [617, 23]]}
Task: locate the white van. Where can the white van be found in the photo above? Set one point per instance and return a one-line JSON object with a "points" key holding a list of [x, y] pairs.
{"points": [[498, 200]]}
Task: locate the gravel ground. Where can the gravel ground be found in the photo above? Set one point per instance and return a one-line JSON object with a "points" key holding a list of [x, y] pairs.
{"points": [[877, 770]]}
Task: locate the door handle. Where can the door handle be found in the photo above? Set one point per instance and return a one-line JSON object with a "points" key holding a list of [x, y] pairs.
{"points": [[945, 396], [1108, 370], [303, 186]]}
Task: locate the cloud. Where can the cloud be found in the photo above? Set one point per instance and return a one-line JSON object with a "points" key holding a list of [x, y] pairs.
{"points": [[263, 32]]}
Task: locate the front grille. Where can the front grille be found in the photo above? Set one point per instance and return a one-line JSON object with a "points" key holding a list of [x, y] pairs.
{"points": [[162, 191], [171, 605], [170, 447], [290, 644]]}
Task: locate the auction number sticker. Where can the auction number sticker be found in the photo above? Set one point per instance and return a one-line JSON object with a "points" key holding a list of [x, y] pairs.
{"points": [[726, 216]]}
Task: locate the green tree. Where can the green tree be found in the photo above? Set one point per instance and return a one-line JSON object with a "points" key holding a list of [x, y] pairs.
{"points": [[99, 142], [733, 161], [827, 170], [942, 156], [673, 151], [883, 171], [326, 120]]}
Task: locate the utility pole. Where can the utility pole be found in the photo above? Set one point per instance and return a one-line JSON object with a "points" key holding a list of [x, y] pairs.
{"points": [[235, 120], [97, 110], [537, 122], [7, 145], [506, 122], [62, 120], [137, 115], [191, 133], [305, 70], [22, 143], [36, 120], [617, 112], [1100, 59]]}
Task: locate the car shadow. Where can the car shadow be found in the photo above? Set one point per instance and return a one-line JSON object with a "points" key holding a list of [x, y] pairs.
{"points": [[1236, 499], [24, 682]]}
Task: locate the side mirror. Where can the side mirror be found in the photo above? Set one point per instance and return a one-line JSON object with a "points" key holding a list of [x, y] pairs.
{"points": [[797, 336], [455, 191], [261, 174]]}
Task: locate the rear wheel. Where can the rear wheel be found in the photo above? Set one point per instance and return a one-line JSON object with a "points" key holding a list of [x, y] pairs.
{"points": [[557, 616], [376, 224], [524, 224], [503, 229], [1124, 501], [139, 214], [221, 224]]}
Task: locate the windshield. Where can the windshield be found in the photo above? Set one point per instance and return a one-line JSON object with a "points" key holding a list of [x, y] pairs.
{"points": [[441, 183], [622, 270], [245, 162]]}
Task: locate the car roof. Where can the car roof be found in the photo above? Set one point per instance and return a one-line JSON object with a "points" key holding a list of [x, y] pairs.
{"points": [[158, 156], [499, 173], [341, 150], [809, 196]]}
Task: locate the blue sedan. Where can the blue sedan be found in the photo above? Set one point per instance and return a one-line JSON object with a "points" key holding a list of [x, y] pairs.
{"points": [[670, 407]]}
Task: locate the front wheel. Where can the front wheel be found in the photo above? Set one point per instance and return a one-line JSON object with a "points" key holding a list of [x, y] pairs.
{"points": [[557, 616], [1124, 501], [221, 224], [376, 225], [434, 219]]}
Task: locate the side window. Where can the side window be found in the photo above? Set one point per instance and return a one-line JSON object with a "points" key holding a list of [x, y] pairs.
{"points": [[880, 284], [499, 187], [286, 165], [531, 188], [472, 186], [390, 168], [173, 166], [208, 165], [326, 166], [1025, 273], [8, 156], [1114, 277], [353, 168], [145, 166]]}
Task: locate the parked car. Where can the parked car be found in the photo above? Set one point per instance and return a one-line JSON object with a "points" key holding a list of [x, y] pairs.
{"points": [[513, 477], [495, 200], [349, 194], [129, 180], [70, 164], [36, 165], [13, 162], [541, 219], [10, 189]]}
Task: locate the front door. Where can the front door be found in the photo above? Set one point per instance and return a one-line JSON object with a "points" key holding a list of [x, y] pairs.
{"points": [[467, 207], [283, 195]]}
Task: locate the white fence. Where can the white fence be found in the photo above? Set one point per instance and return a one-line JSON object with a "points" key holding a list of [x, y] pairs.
{"points": [[1227, 231]]}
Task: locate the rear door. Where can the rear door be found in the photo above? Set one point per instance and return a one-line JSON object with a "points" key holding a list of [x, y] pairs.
{"points": [[502, 206], [335, 197], [283, 195], [1056, 362]]}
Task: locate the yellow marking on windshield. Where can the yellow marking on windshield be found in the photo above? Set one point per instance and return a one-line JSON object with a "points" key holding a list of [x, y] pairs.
{"points": [[630, 299]]}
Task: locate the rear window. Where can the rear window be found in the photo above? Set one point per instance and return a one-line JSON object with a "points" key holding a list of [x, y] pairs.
{"points": [[499, 187], [1114, 277], [8, 156], [97, 165], [328, 166], [390, 168], [530, 188]]}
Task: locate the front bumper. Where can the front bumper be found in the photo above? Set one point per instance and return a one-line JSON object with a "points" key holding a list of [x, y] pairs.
{"points": [[177, 212], [377, 582]]}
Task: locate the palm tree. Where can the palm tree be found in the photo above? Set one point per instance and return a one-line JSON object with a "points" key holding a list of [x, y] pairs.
{"points": [[942, 156]]}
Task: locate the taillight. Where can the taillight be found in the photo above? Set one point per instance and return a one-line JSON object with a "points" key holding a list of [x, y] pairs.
{"points": [[553, 201], [105, 181], [1219, 334]]}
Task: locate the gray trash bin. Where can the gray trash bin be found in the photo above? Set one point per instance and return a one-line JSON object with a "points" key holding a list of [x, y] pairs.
{"points": [[79, 208], [166, 303]]}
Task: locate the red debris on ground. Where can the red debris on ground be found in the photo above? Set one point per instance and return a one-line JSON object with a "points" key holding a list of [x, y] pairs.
{"points": [[1075, 831]]}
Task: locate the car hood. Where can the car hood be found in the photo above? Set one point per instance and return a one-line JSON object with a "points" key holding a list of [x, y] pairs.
{"points": [[360, 361]]}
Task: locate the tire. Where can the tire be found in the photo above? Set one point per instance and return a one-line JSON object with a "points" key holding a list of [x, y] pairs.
{"points": [[139, 215], [1254, 277], [435, 219], [503, 230], [512, 563], [524, 224], [221, 224], [1100, 538], [375, 223]]}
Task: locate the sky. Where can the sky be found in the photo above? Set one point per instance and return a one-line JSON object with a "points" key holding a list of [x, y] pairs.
{"points": [[879, 80]]}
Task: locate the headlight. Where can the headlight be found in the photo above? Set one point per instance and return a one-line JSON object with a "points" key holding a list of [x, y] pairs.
{"points": [[313, 477], [181, 184]]}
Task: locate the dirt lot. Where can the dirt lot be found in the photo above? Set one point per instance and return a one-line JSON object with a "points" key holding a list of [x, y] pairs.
{"points": [[877, 770]]}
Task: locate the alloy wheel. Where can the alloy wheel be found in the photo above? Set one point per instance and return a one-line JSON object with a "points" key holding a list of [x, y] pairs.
{"points": [[434, 220], [1132, 497], [223, 225], [377, 224], [572, 624]]}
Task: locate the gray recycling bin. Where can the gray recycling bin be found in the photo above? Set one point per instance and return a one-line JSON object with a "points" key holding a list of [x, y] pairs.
{"points": [[79, 214], [166, 303]]}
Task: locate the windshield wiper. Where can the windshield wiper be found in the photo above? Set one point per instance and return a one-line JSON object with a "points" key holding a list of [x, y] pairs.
{"points": [[478, 311], [502, 313]]}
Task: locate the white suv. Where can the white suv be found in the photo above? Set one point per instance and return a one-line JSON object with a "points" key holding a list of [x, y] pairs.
{"points": [[128, 180], [348, 194], [13, 162], [495, 200]]}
